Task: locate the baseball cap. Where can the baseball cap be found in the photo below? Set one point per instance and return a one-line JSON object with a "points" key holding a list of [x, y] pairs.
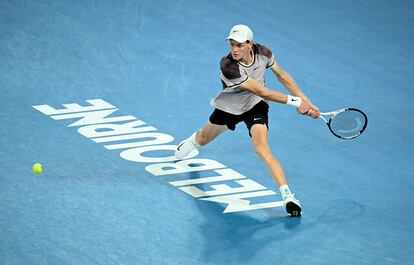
{"points": [[240, 33]]}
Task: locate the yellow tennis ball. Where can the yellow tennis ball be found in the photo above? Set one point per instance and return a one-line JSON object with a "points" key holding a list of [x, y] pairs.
{"points": [[37, 168]]}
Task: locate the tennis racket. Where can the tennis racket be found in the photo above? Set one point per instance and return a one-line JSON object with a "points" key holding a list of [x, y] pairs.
{"points": [[346, 123]]}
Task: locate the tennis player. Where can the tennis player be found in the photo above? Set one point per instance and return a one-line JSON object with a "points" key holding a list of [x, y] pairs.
{"points": [[245, 98]]}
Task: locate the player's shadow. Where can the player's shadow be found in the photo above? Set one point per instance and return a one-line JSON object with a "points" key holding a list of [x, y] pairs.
{"points": [[340, 211], [239, 236]]}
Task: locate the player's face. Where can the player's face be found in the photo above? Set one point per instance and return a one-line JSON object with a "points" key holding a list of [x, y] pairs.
{"points": [[240, 51]]}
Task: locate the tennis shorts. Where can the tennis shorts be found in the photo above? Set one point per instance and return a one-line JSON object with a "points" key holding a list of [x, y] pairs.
{"points": [[257, 115]]}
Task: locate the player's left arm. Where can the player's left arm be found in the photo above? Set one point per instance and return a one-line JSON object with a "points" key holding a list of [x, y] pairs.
{"points": [[289, 83]]}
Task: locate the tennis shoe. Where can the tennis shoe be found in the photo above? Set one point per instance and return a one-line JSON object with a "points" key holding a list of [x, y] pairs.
{"points": [[186, 147], [292, 205]]}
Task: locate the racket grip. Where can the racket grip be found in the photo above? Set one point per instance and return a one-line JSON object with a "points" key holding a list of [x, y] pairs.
{"points": [[294, 101]]}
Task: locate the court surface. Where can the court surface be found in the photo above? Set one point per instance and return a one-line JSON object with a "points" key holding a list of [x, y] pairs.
{"points": [[156, 63]]}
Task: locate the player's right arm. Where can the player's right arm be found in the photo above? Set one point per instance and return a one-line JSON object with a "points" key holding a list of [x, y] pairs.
{"points": [[258, 89]]}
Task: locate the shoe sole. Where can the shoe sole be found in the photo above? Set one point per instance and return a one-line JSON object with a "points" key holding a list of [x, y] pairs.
{"points": [[293, 209]]}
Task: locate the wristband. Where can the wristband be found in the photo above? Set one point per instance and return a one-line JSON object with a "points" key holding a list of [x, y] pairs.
{"points": [[294, 101]]}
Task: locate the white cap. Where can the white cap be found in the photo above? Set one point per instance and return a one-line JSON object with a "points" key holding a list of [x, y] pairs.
{"points": [[240, 33]]}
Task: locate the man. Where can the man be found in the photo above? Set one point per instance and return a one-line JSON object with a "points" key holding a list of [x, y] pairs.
{"points": [[244, 98]]}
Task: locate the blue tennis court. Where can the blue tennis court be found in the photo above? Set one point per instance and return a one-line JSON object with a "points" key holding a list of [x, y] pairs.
{"points": [[101, 92]]}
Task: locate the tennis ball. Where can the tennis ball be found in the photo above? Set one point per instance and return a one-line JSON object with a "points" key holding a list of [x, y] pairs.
{"points": [[37, 168]]}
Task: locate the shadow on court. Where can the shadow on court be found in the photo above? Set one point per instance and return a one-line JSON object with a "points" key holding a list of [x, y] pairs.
{"points": [[240, 236]]}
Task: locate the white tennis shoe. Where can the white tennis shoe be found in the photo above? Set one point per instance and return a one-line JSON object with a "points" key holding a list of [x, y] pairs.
{"points": [[292, 205], [186, 147]]}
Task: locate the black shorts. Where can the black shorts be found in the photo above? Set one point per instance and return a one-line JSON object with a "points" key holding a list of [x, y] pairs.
{"points": [[257, 115]]}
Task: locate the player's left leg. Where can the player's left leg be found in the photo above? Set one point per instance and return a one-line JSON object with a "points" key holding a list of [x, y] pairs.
{"points": [[261, 146], [260, 142]]}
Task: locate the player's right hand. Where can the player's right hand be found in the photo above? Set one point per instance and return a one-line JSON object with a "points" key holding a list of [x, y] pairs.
{"points": [[307, 108]]}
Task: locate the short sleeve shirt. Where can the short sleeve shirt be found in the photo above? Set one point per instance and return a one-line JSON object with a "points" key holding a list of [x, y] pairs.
{"points": [[232, 98]]}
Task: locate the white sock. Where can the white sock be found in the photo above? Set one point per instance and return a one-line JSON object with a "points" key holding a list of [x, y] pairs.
{"points": [[284, 191], [194, 140]]}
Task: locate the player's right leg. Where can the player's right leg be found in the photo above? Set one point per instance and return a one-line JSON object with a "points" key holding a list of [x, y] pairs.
{"points": [[199, 138]]}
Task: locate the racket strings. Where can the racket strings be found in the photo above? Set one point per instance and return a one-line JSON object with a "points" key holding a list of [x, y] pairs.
{"points": [[348, 124]]}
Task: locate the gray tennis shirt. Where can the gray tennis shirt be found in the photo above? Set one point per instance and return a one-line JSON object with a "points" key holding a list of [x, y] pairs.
{"points": [[232, 98]]}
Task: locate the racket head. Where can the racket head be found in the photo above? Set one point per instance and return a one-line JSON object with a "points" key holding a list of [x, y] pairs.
{"points": [[348, 123]]}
